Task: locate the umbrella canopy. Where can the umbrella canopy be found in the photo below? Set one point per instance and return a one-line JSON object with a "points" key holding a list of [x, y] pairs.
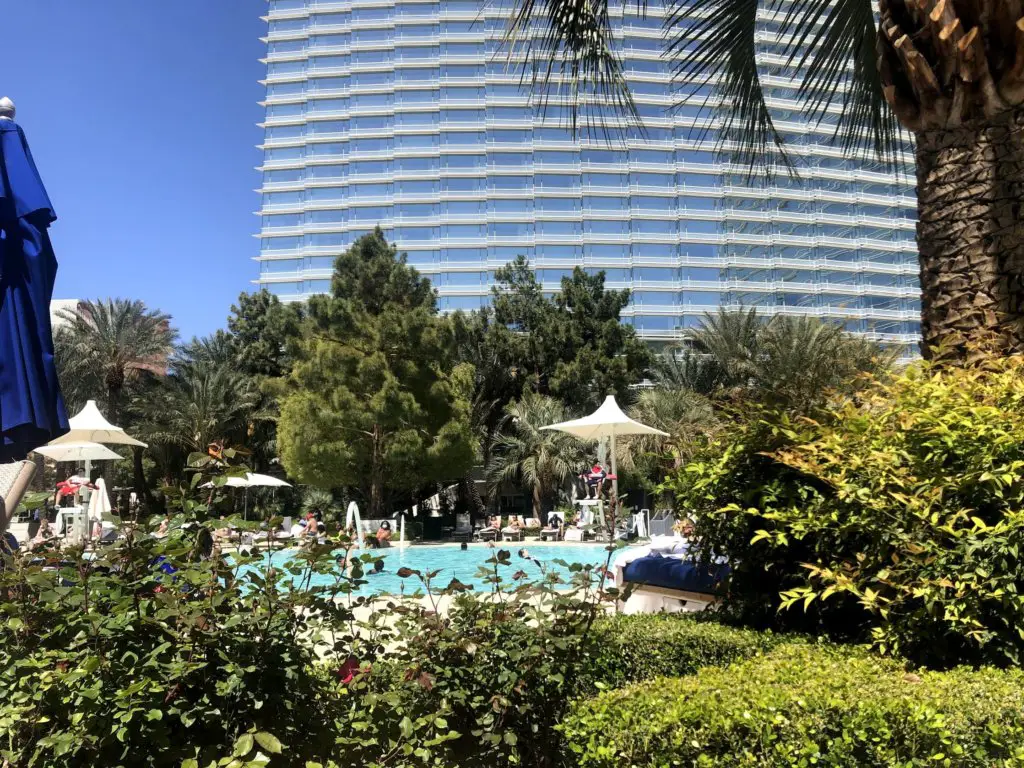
{"points": [[606, 421], [253, 480], [78, 452], [31, 407], [88, 425]]}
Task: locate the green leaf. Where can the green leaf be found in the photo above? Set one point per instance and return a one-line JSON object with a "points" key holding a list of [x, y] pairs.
{"points": [[244, 745], [269, 742]]}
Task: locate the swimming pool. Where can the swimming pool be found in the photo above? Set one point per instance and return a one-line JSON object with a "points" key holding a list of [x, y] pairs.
{"points": [[455, 563]]}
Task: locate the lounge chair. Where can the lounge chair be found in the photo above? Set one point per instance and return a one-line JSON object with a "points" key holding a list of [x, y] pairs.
{"points": [[573, 534], [514, 530], [14, 481], [674, 577], [662, 523], [463, 528], [490, 532], [554, 528]]}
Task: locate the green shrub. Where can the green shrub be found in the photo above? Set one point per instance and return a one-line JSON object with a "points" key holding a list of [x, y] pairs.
{"points": [[626, 649], [897, 515], [804, 705]]}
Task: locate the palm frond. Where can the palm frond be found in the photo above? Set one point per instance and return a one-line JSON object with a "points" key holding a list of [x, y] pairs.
{"points": [[835, 47], [715, 42], [565, 51]]}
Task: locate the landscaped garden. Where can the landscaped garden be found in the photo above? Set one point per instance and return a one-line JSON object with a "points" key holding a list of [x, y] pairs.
{"points": [[870, 513]]}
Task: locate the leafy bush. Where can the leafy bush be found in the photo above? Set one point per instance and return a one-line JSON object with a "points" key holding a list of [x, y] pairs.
{"points": [[114, 662], [498, 669], [626, 649], [899, 513], [806, 705], [164, 653]]}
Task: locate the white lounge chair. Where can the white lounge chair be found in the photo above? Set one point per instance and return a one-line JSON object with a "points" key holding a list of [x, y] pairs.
{"points": [[513, 532], [554, 527]]}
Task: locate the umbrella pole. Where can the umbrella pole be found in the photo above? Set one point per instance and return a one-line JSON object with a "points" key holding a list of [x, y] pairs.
{"points": [[86, 497], [615, 483]]}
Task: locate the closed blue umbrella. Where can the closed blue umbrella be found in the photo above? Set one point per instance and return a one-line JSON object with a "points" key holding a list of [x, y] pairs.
{"points": [[31, 407]]}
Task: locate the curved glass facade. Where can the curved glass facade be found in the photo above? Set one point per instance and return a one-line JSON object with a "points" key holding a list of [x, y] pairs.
{"points": [[407, 115]]}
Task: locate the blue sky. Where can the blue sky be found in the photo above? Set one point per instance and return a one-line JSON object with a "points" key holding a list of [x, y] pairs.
{"points": [[141, 116]]}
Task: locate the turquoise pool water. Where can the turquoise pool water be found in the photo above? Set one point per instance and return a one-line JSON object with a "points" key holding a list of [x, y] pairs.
{"points": [[453, 562]]}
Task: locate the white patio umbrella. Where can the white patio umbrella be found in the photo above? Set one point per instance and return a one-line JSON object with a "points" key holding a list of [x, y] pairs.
{"points": [[78, 452], [252, 480], [607, 421], [88, 425]]}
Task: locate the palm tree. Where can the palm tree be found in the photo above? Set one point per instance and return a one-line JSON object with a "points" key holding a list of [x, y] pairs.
{"points": [[950, 72], [686, 416], [108, 350], [792, 362], [525, 454], [109, 346], [203, 403]]}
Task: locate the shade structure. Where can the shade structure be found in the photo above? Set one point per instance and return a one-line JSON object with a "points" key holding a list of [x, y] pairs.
{"points": [[88, 425], [78, 452], [32, 410], [607, 421]]}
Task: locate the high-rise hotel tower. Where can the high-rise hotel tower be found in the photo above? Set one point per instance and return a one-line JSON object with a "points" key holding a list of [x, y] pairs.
{"points": [[404, 113]]}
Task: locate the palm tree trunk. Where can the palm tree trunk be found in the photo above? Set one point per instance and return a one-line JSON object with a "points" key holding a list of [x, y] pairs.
{"points": [[538, 493], [970, 184], [147, 504]]}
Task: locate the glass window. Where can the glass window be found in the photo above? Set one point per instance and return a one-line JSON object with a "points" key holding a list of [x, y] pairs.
{"points": [[281, 220], [280, 243], [417, 187], [509, 229], [282, 198], [463, 184], [559, 204], [463, 231], [465, 207], [326, 148], [559, 228], [280, 265], [556, 180], [463, 162], [283, 176], [326, 193], [517, 183], [416, 119], [656, 274], [417, 164], [284, 289], [335, 216], [606, 227], [497, 205]]}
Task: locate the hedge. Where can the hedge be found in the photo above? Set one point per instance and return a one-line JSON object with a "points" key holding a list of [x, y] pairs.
{"points": [[805, 705], [628, 649]]}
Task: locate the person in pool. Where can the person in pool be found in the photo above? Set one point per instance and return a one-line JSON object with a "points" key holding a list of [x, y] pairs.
{"points": [[378, 568]]}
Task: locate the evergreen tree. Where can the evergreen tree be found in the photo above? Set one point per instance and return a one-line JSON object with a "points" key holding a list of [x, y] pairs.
{"points": [[375, 399]]}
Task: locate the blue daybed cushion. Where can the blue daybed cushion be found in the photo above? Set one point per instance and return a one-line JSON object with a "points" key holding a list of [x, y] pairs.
{"points": [[672, 573]]}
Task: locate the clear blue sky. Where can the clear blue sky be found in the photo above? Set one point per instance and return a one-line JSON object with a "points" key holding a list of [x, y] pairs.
{"points": [[141, 116]]}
